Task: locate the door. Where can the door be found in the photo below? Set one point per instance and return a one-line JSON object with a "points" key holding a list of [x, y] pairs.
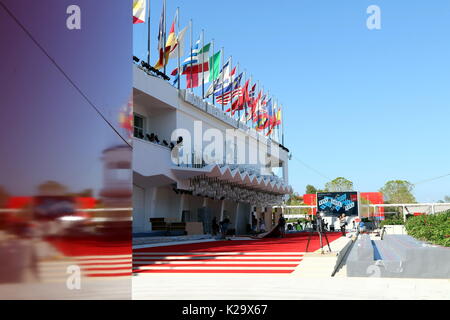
{"points": [[138, 209]]}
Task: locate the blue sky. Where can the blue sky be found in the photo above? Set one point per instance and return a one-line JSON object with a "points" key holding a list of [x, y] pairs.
{"points": [[369, 105]]}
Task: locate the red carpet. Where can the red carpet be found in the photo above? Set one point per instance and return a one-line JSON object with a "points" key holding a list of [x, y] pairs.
{"points": [[268, 255], [96, 258]]}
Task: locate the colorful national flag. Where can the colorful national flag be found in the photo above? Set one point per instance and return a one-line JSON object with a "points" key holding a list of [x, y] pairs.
{"points": [[170, 46], [223, 76], [197, 68], [189, 60], [233, 89], [243, 100], [263, 115], [161, 36], [254, 102], [179, 45], [139, 7]]}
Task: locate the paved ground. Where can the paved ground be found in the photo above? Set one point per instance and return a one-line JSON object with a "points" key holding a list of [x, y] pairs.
{"points": [[310, 279]]}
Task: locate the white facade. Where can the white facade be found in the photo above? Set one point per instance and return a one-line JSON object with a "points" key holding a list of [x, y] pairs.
{"points": [[215, 167]]}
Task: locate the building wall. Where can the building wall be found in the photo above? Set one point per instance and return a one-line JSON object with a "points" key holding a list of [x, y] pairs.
{"points": [[166, 111]]}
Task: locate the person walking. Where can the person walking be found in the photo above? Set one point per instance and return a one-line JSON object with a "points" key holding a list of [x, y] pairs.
{"points": [[342, 223]]}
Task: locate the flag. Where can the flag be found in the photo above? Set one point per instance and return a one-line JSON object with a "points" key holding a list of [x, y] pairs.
{"points": [[199, 73], [170, 45], [191, 59], [224, 82], [276, 120], [243, 100], [179, 45], [264, 114], [233, 89], [259, 108], [221, 76], [272, 117], [278, 117], [197, 68], [139, 11], [161, 36], [250, 115]]}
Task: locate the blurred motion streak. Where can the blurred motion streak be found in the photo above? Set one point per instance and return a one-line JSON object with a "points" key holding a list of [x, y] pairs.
{"points": [[65, 169]]}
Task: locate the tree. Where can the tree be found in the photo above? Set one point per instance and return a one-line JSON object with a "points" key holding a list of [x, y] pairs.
{"points": [[294, 200], [310, 189], [446, 200], [339, 184], [52, 188], [398, 191]]}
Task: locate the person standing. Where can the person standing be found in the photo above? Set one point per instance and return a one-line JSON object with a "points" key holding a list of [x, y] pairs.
{"points": [[215, 226], [282, 226], [362, 226], [342, 223], [224, 226], [254, 223], [262, 225]]}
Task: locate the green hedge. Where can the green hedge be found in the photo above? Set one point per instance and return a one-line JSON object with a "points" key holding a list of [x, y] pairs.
{"points": [[389, 222], [431, 228]]}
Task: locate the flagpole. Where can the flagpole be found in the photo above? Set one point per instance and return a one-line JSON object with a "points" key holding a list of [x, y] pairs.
{"points": [[148, 22], [282, 127], [203, 64], [230, 76], [165, 36], [214, 80], [278, 126], [265, 107], [223, 52], [178, 48], [246, 105], [191, 25], [259, 110], [239, 107], [253, 123]]}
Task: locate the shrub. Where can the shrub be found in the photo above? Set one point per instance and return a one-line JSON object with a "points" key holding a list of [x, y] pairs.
{"points": [[395, 221], [431, 228]]}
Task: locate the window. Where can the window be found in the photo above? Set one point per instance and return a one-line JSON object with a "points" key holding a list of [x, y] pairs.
{"points": [[139, 128]]}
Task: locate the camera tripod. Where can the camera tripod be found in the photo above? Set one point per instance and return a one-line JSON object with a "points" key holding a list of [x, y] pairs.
{"points": [[320, 232]]}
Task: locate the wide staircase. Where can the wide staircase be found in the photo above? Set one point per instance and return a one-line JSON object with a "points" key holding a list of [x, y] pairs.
{"points": [[397, 256]]}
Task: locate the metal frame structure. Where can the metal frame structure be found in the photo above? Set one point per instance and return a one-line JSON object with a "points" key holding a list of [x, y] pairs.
{"points": [[404, 206]]}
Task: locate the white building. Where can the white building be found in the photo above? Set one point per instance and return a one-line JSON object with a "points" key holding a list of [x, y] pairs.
{"points": [[209, 169]]}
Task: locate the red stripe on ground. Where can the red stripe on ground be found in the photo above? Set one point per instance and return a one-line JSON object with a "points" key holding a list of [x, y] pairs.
{"points": [[228, 260], [212, 271], [102, 259], [106, 269], [121, 274], [219, 255], [104, 263], [215, 265], [292, 243]]}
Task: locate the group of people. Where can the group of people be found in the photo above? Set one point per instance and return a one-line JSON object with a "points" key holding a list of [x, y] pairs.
{"points": [[221, 227], [155, 139]]}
